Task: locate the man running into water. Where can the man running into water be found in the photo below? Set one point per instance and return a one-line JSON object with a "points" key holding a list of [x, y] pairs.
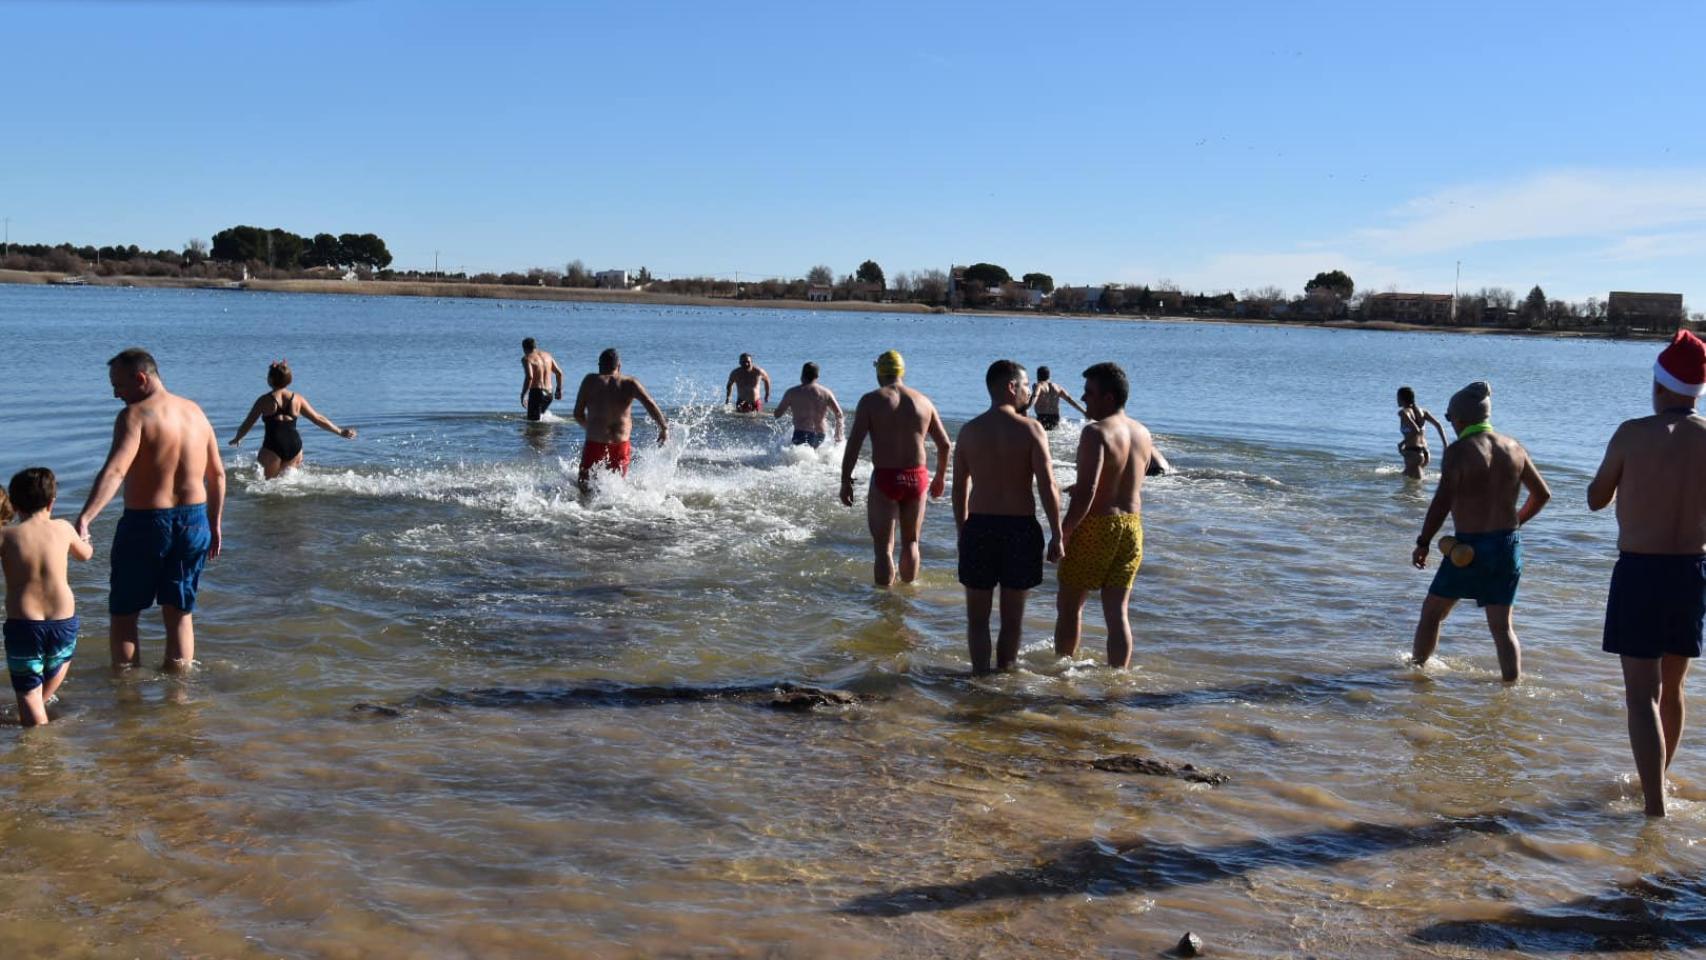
{"points": [[1480, 475], [745, 379], [604, 406], [998, 455], [897, 418], [1047, 398], [1655, 468], [1103, 527], [811, 403], [166, 457], [537, 370]]}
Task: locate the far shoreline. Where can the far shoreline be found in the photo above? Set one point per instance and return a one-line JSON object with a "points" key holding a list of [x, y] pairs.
{"points": [[488, 291]]}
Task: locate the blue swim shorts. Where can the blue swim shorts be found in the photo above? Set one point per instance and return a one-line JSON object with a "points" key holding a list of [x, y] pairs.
{"points": [[37, 649], [808, 436], [1657, 605], [157, 558], [1491, 579]]}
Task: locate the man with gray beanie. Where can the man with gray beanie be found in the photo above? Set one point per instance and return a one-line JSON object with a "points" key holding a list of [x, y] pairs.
{"points": [[1479, 479]]}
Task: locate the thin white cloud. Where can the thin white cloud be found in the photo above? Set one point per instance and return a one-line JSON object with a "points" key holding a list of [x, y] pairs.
{"points": [[1289, 270], [1657, 246], [1547, 206]]}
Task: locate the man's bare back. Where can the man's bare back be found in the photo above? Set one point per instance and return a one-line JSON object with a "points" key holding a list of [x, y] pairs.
{"points": [[1121, 447], [174, 444], [999, 453], [811, 405], [606, 406], [1654, 466], [1483, 474], [898, 419], [538, 367]]}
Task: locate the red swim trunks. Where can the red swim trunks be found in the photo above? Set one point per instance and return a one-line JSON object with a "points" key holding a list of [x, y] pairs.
{"points": [[749, 406], [611, 456], [901, 484]]}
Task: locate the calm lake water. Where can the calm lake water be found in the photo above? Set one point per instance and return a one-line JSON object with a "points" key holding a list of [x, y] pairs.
{"points": [[421, 725]]}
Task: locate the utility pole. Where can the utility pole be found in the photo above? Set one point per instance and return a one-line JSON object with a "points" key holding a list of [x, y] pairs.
{"points": [[435, 263]]}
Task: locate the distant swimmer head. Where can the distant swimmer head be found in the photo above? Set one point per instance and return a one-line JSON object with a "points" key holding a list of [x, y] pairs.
{"points": [[1471, 405], [609, 361], [527, 345], [279, 375], [1106, 390], [1042, 374], [808, 373], [1680, 370], [891, 365], [1406, 397]]}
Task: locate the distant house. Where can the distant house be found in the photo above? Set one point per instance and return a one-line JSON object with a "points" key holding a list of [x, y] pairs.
{"points": [[819, 292], [1648, 311], [1424, 308], [612, 279]]}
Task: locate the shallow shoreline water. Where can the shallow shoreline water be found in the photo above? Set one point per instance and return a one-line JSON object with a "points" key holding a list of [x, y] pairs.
{"points": [[426, 721]]}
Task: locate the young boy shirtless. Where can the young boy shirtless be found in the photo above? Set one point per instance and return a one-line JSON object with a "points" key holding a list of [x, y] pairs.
{"points": [[41, 613]]}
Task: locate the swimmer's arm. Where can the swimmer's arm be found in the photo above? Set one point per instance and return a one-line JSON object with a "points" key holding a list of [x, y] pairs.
{"points": [[729, 388], [1042, 467], [939, 434], [835, 408], [319, 421], [526, 380], [850, 457], [962, 484], [1438, 509], [580, 401], [1158, 465], [248, 423], [214, 477], [1067, 396], [782, 407], [1084, 489], [765, 376], [79, 548], [1603, 489], [556, 371], [1428, 417], [1538, 492], [652, 410], [127, 439]]}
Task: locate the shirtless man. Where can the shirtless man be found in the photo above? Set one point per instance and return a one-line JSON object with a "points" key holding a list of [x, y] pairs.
{"points": [[998, 454], [604, 406], [746, 378], [811, 403], [537, 370], [1047, 397], [897, 418], [166, 457], [1480, 475], [1655, 468], [1103, 528]]}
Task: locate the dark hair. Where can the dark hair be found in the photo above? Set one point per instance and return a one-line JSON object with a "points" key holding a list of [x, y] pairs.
{"points": [[1109, 378], [1406, 396], [808, 373], [609, 360], [135, 360], [278, 374], [32, 490], [1042, 374], [746, 356], [527, 344], [1000, 374]]}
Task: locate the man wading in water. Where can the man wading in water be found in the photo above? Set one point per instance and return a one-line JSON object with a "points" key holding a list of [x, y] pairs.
{"points": [[537, 370], [811, 403], [1655, 468], [998, 455], [897, 418], [605, 407], [165, 455], [1479, 479], [1047, 397], [745, 379]]}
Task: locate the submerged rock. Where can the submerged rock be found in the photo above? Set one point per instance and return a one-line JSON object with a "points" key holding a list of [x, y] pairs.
{"points": [[1190, 945], [797, 699], [790, 697], [1132, 763]]}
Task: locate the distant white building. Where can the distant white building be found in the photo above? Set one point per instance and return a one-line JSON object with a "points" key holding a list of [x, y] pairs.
{"points": [[612, 279], [819, 293]]}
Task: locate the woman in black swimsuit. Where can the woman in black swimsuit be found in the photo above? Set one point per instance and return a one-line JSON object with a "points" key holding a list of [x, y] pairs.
{"points": [[281, 449], [1411, 421]]}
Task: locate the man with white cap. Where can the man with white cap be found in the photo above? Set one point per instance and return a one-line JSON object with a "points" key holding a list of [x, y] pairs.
{"points": [[1655, 468], [1479, 479]]}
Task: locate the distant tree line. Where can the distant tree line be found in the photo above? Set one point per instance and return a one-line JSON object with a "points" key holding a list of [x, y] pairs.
{"points": [[281, 249]]}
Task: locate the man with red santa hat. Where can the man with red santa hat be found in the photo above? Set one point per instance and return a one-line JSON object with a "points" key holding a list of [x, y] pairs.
{"points": [[1655, 468]]}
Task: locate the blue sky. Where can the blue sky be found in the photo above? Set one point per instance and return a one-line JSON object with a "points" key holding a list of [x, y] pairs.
{"points": [[1218, 145]]}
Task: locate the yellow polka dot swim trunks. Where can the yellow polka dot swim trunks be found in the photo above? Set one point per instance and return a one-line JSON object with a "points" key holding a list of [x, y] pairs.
{"points": [[1105, 551]]}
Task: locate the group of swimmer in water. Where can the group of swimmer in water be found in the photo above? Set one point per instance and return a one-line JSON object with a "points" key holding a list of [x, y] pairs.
{"points": [[166, 458]]}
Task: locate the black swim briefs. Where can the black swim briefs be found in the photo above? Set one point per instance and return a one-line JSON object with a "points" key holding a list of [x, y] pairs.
{"points": [[1001, 550], [1656, 606]]}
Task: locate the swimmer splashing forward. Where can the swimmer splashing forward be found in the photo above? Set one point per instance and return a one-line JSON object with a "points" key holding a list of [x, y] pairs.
{"points": [[604, 406]]}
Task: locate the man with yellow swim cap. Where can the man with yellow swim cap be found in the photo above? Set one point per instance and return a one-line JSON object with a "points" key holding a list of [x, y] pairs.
{"points": [[896, 418], [1479, 479]]}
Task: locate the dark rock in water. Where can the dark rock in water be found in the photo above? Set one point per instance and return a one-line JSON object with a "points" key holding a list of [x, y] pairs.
{"points": [[1132, 763], [791, 697], [796, 699], [376, 710], [1190, 945]]}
